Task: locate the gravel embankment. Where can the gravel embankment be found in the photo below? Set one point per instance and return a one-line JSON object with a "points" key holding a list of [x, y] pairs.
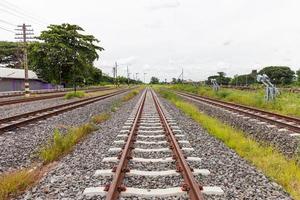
{"points": [[234, 175], [75, 171], [20, 108], [280, 138], [18, 147]]}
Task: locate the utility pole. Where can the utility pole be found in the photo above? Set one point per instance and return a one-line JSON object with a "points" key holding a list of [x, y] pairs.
{"points": [[128, 76], [116, 69], [182, 76], [136, 76], [144, 78], [25, 33]]}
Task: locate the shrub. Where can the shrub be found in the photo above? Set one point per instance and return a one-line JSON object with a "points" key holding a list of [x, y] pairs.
{"points": [[77, 94], [97, 119]]}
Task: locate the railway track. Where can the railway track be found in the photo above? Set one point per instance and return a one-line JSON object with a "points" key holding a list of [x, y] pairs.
{"points": [[29, 117], [37, 98], [151, 158], [281, 121]]}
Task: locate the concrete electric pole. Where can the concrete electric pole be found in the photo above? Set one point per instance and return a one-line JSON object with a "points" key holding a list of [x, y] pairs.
{"points": [[25, 36]]}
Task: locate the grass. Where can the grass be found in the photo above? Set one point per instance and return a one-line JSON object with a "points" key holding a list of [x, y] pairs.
{"points": [[77, 94], [272, 163], [286, 103], [13, 183], [130, 95], [64, 143], [98, 119]]}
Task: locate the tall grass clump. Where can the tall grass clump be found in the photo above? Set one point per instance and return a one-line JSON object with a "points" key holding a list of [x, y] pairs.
{"points": [[77, 94], [13, 183], [130, 95], [275, 165], [98, 119], [286, 103], [63, 143]]}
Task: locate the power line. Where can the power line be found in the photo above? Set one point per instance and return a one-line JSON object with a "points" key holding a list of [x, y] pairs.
{"points": [[19, 10], [7, 29], [6, 22], [20, 16]]}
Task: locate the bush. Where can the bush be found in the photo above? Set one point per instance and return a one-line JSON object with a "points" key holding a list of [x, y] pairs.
{"points": [[101, 118], [77, 94], [63, 143]]}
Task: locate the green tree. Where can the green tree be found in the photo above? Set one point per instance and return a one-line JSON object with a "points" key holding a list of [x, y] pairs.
{"points": [[221, 79], [10, 54], [298, 75], [279, 74], [154, 80], [64, 54]]}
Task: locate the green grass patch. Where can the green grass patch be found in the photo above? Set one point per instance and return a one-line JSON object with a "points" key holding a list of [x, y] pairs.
{"points": [[130, 95], [64, 143], [98, 119], [77, 94], [116, 104], [287, 103], [276, 166], [12, 184]]}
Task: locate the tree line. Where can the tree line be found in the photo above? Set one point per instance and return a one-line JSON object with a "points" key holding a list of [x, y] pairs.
{"points": [[62, 54]]}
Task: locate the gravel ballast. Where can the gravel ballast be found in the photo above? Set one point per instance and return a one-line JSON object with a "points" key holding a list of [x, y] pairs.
{"points": [[75, 172], [234, 175], [19, 147], [258, 130]]}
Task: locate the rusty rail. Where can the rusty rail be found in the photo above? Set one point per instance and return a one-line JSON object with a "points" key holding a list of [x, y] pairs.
{"points": [[51, 96], [291, 123], [115, 188], [25, 118], [190, 184]]}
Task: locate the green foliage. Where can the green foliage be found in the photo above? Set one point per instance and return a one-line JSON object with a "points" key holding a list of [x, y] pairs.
{"points": [[245, 79], [130, 95], [266, 158], [115, 105], [298, 75], [279, 74], [11, 54], [77, 94], [63, 143], [286, 103], [11, 184], [154, 80], [98, 119], [221, 79], [64, 53]]}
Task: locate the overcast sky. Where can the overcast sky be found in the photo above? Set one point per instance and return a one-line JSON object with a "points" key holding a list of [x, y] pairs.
{"points": [[160, 37]]}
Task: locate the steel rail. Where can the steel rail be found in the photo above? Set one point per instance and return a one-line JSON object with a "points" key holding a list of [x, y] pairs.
{"points": [[115, 188], [25, 118], [191, 186], [30, 99], [272, 118]]}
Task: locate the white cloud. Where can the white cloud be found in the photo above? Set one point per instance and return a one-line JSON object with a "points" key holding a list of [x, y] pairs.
{"points": [[162, 4]]}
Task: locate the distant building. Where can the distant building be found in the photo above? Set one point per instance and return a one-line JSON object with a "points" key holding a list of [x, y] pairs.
{"points": [[13, 80]]}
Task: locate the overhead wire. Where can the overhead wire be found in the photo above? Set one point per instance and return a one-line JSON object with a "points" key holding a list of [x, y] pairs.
{"points": [[20, 14], [7, 29], [6, 22]]}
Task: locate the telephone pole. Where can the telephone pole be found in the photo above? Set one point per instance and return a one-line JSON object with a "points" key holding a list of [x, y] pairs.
{"points": [[25, 35], [128, 76], [136, 76], [144, 78]]}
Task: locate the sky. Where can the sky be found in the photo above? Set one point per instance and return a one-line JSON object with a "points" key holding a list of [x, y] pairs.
{"points": [[163, 37]]}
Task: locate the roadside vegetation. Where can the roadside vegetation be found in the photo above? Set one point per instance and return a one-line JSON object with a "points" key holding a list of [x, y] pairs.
{"points": [[77, 94], [98, 119], [286, 103], [14, 183], [271, 162], [62, 143]]}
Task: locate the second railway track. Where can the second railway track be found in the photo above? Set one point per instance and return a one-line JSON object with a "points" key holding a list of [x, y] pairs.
{"points": [[151, 158], [281, 121], [44, 97], [29, 117]]}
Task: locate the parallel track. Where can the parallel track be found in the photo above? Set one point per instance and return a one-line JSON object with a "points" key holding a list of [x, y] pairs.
{"points": [[282, 121], [29, 117], [147, 123], [43, 97]]}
